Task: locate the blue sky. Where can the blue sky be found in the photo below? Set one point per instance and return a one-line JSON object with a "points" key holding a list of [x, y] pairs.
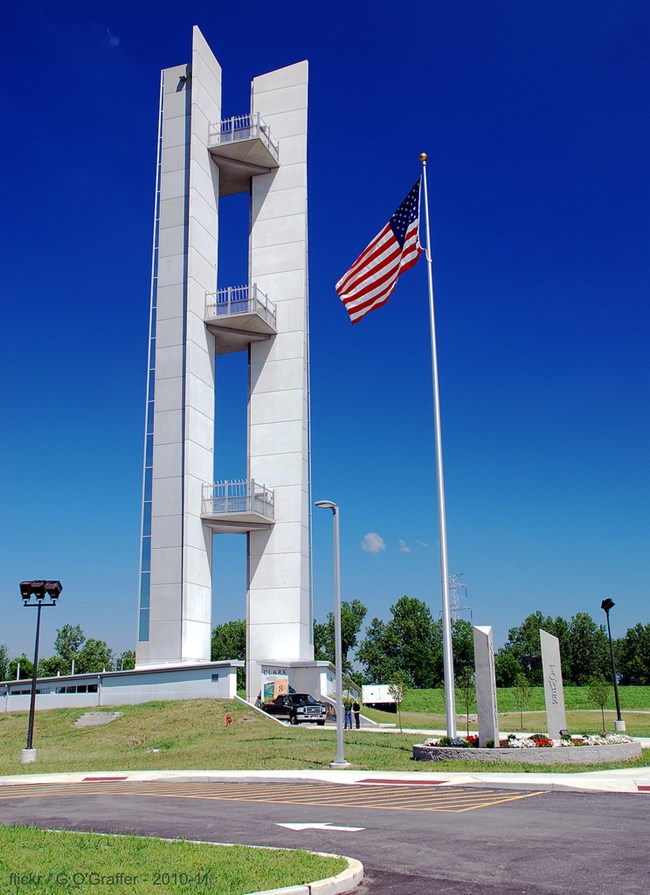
{"points": [[535, 120]]}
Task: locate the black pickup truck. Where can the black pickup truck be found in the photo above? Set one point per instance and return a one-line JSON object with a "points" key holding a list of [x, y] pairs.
{"points": [[297, 707]]}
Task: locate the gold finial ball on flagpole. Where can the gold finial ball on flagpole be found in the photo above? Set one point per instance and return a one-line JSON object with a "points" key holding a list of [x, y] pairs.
{"points": [[423, 156]]}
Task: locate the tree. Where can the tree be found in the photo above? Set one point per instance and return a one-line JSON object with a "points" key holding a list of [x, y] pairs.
{"points": [[462, 638], [67, 643], [589, 650], [95, 655], [4, 662], [466, 692], [125, 661], [599, 693], [229, 642], [352, 615], [410, 643], [397, 689], [524, 644], [506, 667], [26, 668], [522, 687], [633, 656], [52, 666]]}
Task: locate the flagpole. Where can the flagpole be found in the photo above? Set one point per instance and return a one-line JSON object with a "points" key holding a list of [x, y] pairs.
{"points": [[450, 696]]}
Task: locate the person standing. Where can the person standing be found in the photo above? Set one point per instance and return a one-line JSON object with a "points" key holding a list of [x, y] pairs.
{"points": [[347, 713], [356, 711]]}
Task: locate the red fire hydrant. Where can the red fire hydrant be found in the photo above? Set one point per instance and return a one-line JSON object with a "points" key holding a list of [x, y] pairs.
{"points": [[228, 720]]}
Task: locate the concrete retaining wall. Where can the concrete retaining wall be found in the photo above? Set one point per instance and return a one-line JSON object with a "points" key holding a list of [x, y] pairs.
{"points": [[540, 755]]}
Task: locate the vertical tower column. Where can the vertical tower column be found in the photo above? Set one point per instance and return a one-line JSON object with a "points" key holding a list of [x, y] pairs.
{"points": [[279, 598], [176, 586]]}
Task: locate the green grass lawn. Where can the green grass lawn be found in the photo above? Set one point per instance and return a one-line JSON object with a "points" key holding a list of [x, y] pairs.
{"points": [[193, 735], [34, 862], [432, 701]]}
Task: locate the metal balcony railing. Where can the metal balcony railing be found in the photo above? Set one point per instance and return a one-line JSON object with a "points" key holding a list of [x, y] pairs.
{"points": [[243, 127], [239, 300], [225, 498]]}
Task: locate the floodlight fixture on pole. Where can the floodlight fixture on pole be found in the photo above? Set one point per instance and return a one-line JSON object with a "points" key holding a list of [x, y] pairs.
{"points": [[38, 588], [619, 724], [338, 648]]}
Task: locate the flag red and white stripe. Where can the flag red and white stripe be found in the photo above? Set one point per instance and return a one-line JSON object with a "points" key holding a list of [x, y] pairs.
{"points": [[369, 283]]}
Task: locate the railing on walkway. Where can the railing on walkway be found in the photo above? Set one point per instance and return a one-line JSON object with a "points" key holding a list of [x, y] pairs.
{"points": [[239, 300], [222, 498], [243, 127]]}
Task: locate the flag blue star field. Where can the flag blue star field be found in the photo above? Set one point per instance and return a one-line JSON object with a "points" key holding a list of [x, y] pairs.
{"points": [[369, 283]]}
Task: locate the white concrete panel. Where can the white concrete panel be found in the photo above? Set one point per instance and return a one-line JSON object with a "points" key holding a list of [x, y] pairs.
{"points": [[293, 149], [277, 407], [279, 203], [277, 470], [280, 258], [175, 105], [172, 213], [167, 497], [204, 212], [169, 332], [285, 124], [276, 438], [169, 395], [167, 459], [203, 242], [174, 158], [275, 641], [282, 288], [167, 428], [166, 531], [275, 570], [289, 76], [171, 241], [279, 232], [282, 538], [277, 606], [164, 642], [270, 102], [205, 182], [172, 184], [169, 301], [196, 641], [200, 396], [198, 602], [199, 460], [198, 428], [276, 376], [166, 564], [171, 271], [196, 567], [175, 132], [289, 503], [172, 76], [169, 362], [282, 347], [194, 500]]}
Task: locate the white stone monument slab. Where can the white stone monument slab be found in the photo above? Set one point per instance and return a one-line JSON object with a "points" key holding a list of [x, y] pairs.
{"points": [[486, 686], [553, 687]]}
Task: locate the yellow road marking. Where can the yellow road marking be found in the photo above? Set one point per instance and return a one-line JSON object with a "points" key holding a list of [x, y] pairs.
{"points": [[390, 798]]}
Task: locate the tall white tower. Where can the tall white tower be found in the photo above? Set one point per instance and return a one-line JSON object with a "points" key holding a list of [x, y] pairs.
{"points": [[201, 159]]}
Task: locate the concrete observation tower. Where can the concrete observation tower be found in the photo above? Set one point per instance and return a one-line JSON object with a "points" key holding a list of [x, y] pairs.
{"points": [[202, 160]]}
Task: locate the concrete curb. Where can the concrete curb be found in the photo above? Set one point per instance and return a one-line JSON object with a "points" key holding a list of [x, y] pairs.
{"points": [[344, 881]]}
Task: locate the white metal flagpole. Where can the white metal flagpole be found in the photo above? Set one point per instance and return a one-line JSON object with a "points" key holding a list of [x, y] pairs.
{"points": [[450, 696]]}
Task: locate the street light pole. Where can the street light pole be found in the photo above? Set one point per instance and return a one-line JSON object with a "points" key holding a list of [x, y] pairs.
{"points": [[619, 724], [39, 589], [338, 649]]}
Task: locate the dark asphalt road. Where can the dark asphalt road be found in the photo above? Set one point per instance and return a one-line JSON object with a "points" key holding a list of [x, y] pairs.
{"points": [[551, 844]]}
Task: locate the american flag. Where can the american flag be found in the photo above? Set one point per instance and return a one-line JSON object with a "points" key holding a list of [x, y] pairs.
{"points": [[369, 283]]}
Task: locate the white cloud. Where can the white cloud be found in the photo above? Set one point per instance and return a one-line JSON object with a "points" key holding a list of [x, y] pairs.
{"points": [[403, 546], [113, 39], [422, 543], [373, 543]]}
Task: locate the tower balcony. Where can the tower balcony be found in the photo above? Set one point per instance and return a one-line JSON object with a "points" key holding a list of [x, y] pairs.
{"points": [[237, 506], [237, 316], [242, 147]]}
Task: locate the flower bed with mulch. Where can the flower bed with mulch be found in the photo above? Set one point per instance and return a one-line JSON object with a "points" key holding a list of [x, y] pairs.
{"points": [[535, 749]]}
